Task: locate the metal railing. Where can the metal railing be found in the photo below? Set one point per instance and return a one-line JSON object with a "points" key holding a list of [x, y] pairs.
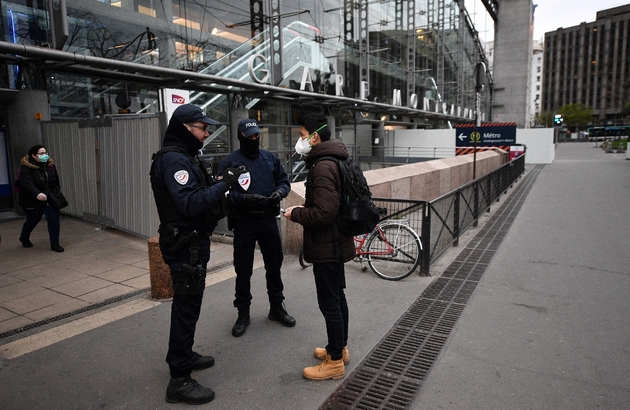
{"points": [[441, 222], [451, 214], [406, 211]]}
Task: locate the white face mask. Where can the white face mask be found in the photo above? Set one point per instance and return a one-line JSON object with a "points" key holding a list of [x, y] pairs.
{"points": [[302, 146]]}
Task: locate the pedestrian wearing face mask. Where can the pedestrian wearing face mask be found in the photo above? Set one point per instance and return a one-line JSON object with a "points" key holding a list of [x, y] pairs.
{"points": [[38, 175], [255, 203], [324, 246]]}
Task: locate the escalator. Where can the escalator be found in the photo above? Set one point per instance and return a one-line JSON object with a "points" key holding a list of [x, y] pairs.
{"points": [[81, 97], [300, 49]]}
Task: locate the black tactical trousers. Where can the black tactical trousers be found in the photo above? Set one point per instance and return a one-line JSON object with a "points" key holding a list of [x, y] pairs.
{"points": [[185, 310], [248, 231], [184, 315]]}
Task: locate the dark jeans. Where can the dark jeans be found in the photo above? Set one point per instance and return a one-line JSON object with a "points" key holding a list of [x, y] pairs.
{"points": [[248, 231], [34, 215], [330, 282]]}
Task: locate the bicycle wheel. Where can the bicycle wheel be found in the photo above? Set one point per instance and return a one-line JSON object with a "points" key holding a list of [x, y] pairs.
{"points": [[395, 254], [303, 263]]}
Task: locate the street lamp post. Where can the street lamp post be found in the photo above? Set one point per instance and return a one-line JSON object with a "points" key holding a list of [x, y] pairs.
{"points": [[480, 79]]}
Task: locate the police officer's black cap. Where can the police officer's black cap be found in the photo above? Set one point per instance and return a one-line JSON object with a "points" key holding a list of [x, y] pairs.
{"points": [[189, 113], [248, 127]]}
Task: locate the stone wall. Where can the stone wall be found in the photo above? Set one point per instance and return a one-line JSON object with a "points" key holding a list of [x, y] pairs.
{"points": [[420, 181]]}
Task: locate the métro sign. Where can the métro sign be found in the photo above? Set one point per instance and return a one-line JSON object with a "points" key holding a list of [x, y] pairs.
{"points": [[487, 135]]}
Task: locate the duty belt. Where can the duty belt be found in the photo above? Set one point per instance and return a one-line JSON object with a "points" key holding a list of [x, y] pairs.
{"points": [[271, 210]]}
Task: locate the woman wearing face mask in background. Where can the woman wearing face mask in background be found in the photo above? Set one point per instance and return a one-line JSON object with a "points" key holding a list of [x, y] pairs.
{"points": [[38, 175]]}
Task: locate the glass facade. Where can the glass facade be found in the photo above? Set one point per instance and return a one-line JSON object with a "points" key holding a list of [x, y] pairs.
{"points": [[418, 54]]}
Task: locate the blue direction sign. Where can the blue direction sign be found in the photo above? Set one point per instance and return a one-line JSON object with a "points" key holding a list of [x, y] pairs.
{"points": [[485, 136]]}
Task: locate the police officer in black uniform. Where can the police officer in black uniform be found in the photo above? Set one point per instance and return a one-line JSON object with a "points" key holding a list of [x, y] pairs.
{"points": [[189, 205], [255, 203]]}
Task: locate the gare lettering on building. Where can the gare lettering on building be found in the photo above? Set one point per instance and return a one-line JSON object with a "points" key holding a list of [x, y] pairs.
{"points": [[259, 74]]}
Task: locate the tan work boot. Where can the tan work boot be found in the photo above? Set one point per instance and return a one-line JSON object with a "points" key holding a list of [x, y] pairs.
{"points": [[320, 353], [326, 370]]}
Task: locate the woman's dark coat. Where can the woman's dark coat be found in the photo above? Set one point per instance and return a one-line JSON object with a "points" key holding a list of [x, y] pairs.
{"points": [[36, 178]]}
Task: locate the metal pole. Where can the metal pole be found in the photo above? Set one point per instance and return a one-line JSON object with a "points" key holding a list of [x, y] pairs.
{"points": [[474, 140], [480, 79]]}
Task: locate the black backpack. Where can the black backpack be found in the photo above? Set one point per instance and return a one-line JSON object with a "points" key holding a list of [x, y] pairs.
{"points": [[357, 214]]}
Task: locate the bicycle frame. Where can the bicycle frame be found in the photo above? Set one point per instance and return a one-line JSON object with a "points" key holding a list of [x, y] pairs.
{"points": [[398, 250], [360, 240]]}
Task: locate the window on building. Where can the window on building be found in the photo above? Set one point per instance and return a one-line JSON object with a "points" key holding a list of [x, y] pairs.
{"points": [[188, 54], [115, 3], [189, 15], [537, 69], [538, 78], [147, 7], [537, 88]]}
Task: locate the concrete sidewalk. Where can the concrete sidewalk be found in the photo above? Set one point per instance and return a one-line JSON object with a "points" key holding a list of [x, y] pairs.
{"points": [[548, 326], [98, 265], [114, 357]]}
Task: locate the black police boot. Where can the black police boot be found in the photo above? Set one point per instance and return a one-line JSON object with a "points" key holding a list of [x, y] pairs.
{"points": [[188, 390], [241, 323], [202, 362], [280, 314]]}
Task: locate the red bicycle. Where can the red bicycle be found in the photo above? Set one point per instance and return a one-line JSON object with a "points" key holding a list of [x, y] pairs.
{"points": [[392, 250]]}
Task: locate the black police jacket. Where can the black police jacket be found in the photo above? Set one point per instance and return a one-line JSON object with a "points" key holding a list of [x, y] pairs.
{"points": [[181, 190], [266, 176]]}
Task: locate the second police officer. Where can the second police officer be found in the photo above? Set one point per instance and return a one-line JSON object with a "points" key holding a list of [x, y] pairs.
{"points": [[255, 203]]}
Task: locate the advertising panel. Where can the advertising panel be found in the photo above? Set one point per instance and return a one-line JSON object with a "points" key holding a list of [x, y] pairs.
{"points": [[173, 98]]}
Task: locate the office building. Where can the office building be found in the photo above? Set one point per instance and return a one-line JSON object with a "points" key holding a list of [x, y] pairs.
{"points": [[535, 88], [588, 64]]}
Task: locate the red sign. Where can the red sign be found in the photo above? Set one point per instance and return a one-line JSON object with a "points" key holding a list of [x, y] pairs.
{"points": [[176, 99]]}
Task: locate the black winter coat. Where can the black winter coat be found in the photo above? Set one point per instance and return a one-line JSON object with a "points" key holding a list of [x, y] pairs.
{"points": [[36, 178], [176, 173], [322, 240]]}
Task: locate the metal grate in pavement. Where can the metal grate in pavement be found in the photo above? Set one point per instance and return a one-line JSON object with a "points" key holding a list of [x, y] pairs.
{"points": [[390, 376]]}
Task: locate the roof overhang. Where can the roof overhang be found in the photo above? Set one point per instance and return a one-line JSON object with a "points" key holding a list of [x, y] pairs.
{"points": [[64, 62]]}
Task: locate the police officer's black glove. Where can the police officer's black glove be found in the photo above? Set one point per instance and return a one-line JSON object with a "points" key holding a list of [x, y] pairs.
{"points": [[276, 197], [252, 199], [230, 176]]}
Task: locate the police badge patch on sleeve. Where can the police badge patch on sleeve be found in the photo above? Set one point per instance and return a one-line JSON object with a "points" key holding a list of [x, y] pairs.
{"points": [[244, 180], [181, 177]]}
